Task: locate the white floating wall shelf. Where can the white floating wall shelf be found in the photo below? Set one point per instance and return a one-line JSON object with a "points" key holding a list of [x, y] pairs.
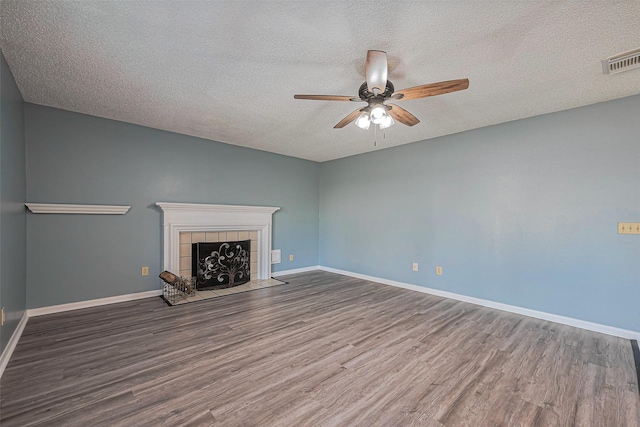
{"points": [[60, 208]]}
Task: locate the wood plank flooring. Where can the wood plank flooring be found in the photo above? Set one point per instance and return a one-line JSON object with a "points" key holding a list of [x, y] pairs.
{"points": [[323, 350]]}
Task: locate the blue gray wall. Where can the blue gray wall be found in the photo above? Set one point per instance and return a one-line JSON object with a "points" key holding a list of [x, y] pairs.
{"points": [[12, 198], [75, 158], [522, 213]]}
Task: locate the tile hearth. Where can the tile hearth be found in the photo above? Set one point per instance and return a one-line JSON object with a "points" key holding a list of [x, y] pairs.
{"points": [[249, 286]]}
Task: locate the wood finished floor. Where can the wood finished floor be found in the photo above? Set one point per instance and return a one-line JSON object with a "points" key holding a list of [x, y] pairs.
{"points": [[324, 350]]}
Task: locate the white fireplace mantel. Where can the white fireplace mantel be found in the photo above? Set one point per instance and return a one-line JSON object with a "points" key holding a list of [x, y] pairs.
{"points": [[193, 217]]}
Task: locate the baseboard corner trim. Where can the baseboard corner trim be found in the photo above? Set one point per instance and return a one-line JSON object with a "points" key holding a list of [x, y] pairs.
{"points": [[41, 311], [13, 342], [636, 359], [295, 271], [569, 321]]}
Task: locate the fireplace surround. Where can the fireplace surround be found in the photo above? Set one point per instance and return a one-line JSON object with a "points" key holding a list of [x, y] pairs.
{"points": [[191, 217]]}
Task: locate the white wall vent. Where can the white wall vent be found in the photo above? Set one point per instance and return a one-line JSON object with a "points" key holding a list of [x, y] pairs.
{"points": [[621, 62]]}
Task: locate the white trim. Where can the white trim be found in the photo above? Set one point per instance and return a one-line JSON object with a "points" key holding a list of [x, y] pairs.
{"points": [[32, 312], [166, 206], [295, 271], [58, 208], [191, 217], [582, 324], [13, 342]]}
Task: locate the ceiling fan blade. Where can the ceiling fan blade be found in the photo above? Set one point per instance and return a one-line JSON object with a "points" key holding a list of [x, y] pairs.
{"points": [[431, 89], [376, 71], [325, 97], [401, 115], [351, 117]]}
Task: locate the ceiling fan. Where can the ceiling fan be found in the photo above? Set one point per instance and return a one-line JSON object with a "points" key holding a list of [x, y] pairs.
{"points": [[377, 90]]}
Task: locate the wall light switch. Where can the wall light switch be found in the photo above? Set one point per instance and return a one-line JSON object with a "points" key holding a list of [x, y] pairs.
{"points": [[2, 323], [629, 228], [275, 256], [415, 266], [145, 271], [439, 271]]}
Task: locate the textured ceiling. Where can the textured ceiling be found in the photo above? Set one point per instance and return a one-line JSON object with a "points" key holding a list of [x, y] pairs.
{"points": [[228, 70]]}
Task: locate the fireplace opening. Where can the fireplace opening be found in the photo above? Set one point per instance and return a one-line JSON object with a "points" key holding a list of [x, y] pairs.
{"points": [[217, 265]]}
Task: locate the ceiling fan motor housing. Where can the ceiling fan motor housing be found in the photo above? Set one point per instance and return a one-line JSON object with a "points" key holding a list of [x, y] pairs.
{"points": [[365, 95]]}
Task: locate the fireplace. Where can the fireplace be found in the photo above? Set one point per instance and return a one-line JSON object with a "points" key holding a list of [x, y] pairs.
{"points": [[188, 223], [218, 265]]}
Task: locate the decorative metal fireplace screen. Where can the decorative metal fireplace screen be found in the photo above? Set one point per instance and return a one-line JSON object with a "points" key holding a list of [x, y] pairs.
{"points": [[221, 265]]}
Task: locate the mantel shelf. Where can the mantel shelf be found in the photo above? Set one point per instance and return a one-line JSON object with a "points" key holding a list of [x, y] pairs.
{"points": [[60, 208], [197, 207]]}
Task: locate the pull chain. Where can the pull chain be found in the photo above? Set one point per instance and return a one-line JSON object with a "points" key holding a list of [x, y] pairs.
{"points": [[375, 135]]}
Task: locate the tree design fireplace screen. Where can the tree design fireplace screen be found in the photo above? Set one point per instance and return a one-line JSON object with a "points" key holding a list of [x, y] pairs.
{"points": [[221, 265]]}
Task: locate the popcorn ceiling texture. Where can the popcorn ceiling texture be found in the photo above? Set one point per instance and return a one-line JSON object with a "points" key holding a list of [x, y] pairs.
{"points": [[228, 70]]}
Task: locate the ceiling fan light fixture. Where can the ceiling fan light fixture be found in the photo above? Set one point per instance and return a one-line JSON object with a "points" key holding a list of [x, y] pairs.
{"points": [[377, 90], [387, 121], [363, 121], [378, 114]]}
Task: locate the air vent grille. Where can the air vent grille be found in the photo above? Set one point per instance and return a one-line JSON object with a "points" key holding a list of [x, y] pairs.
{"points": [[621, 62]]}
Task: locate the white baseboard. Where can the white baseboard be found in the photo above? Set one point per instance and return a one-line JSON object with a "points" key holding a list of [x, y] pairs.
{"points": [[91, 303], [295, 271], [582, 324], [11, 345]]}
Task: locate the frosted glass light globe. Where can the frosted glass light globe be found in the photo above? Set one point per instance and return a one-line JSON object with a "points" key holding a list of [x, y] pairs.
{"points": [[378, 113]]}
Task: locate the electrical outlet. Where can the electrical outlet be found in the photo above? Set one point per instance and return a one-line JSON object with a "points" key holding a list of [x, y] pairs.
{"points": [[439, 270], [629, 228], [415, 266], [145, 271], [291, 257]]}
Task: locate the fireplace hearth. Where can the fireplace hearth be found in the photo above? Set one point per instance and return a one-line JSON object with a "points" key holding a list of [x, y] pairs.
{"points": [[218, 265]]}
